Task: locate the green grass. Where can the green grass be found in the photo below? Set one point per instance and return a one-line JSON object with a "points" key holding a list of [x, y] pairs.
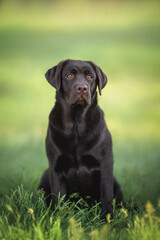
{"points": [[25, 216], [123, 38]]}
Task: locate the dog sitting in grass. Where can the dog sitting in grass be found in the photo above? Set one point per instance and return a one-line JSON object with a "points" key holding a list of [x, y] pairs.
{"points": [[78, 142]]}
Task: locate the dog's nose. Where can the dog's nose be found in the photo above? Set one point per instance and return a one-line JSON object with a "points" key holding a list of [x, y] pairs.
{"points": [[82, 88]]}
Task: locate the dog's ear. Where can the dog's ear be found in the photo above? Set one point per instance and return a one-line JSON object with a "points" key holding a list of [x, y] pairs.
{"points": [[53, 75], [101, 77]]}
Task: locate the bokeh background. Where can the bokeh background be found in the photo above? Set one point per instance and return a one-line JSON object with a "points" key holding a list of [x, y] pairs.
{"points": [[120, 36]]}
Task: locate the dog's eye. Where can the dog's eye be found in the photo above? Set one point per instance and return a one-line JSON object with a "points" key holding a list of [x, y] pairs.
{"points": [[70, 76], [89, 77]]}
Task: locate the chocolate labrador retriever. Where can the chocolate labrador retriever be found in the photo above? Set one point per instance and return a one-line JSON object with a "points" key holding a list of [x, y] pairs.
{"points": [[78, 142]]}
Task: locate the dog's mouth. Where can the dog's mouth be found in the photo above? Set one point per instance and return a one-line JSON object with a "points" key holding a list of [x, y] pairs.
{"points": [[80, 100]]}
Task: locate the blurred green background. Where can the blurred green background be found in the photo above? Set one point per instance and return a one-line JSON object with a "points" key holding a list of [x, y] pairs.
{"points": [[123, 38]]}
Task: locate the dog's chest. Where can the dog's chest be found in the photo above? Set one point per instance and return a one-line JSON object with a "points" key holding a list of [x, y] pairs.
{"points": [[76, 142]]}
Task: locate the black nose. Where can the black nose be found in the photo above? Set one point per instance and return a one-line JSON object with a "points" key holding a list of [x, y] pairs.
{"points": [[81, 88]]}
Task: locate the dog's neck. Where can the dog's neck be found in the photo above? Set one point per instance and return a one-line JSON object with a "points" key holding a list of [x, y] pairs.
{"points": [[73, 117]]}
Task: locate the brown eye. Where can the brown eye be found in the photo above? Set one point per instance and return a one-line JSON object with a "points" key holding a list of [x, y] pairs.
{"points": [[89, 77], [69, 76]]}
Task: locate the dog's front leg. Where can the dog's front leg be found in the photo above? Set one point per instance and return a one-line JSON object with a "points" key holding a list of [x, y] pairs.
{"points": [[58, 188], [106, 188]]}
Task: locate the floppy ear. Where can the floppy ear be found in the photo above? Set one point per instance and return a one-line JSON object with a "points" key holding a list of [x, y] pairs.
{"points": [[101, 77], [53, 75]]}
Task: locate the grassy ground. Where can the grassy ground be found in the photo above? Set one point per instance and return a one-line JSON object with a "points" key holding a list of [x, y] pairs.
{"points": [[123, 38]]}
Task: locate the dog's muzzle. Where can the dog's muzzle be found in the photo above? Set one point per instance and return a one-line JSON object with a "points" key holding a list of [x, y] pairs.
{"points": [[80, 94]]}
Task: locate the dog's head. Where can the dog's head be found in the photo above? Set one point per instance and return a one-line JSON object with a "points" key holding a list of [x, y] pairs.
{"points": [[78, 80]]}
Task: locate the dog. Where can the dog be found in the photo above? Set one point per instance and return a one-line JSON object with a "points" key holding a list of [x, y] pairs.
{"points": [[78, 142]]}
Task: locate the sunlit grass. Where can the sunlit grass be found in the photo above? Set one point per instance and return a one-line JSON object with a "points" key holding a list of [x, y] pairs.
{"points": [[24, 216]]}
